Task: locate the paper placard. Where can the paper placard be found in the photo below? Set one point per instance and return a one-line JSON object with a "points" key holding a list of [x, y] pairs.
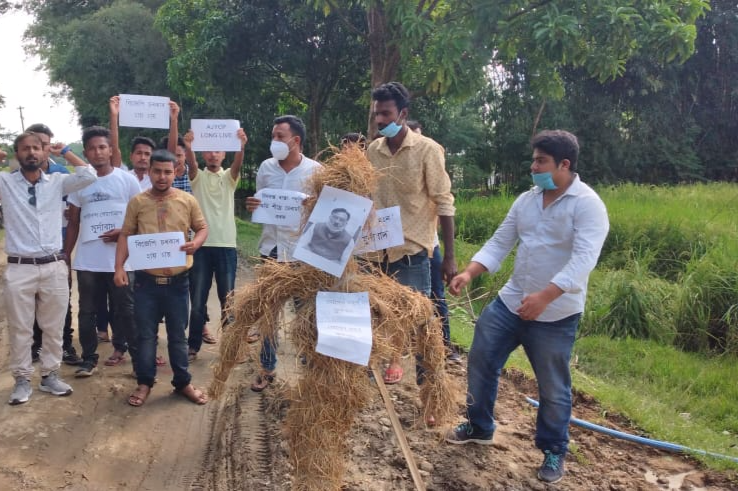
{"points": [[344, 324], [99, 217], [144, 111], [279, 207], [215, 135], [151, 251], [385, 231]]}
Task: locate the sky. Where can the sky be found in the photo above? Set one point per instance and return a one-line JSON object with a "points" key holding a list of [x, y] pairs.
{"points": [[22, 85]]}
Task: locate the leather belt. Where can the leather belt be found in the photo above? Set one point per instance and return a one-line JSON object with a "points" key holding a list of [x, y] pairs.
{"points": [[37, 260], [164, 280]]}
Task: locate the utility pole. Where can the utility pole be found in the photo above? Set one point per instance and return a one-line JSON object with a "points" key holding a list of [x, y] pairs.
{"points": [[23, 125]]}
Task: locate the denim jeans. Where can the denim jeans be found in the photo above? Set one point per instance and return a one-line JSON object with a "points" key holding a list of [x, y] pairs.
{"points": [[152, 302], [208, 262], [94, 286], [548, 346], [438, 294]]}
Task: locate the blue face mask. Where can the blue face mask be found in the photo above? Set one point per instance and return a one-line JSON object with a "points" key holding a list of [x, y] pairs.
{"points": [[390, 130], [544, 180]]}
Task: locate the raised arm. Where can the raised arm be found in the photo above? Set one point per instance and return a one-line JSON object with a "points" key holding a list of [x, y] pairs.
{"points": [[117, 159], [59, 149], [190, 155], [173, 127], [238, 159]]}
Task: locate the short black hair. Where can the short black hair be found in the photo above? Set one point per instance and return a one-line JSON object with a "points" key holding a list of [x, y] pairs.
{"points": [[164, 142], [414, 125], [40, 128], [297, 127], [142, 140], [392, 91], [353, 138], [341, 210], [94, 131], [22, 137], [163, 155], [559, 144]]}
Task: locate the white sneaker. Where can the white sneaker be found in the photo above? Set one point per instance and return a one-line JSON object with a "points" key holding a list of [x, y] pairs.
{"points": [[54, 385], [21, 392]]}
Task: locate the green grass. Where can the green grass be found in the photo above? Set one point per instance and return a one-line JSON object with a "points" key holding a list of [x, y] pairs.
{"points": [[247, 239]]}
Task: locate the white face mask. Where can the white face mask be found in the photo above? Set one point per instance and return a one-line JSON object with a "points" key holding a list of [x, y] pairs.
{"points": [[279, 150]]}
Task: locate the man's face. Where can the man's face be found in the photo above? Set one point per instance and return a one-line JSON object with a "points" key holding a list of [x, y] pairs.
{"points": [[98, 151], [337, 221], [141, 158], [283, 133], [161, 175], [30, 153], [385, 112], [213, 160], [543, 162], [45, 146], [179, 168]]}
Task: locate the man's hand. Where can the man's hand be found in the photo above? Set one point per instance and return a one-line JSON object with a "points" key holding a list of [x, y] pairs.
{"points": [[189, 247], [56, 148], [120, 277], [449, 270], [458, 282], [114, 104], [533, 305], [110, 235], [173, 110], [188, 138], [241, 134], [252, 204]]}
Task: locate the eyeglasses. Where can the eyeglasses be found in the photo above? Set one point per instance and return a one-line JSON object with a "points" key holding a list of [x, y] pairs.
{"points": [[32, 197]]}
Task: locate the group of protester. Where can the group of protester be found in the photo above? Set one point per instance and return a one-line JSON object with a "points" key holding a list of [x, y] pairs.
{"points": [[558, 226]]}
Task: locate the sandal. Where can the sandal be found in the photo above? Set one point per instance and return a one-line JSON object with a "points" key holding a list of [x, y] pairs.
{"points": [[115, 359], [253, 336], [207, 337], [193, 394], [103, 337], [139, 396], [262, 381], [160, 361], [191, 355], [392, 375]]}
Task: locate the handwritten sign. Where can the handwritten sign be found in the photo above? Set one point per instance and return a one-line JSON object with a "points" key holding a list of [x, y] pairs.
{"points": [[144, 111], [344, 326], [149, 251], [215, 135], [279, 207], [99, 217], [384, 232]]}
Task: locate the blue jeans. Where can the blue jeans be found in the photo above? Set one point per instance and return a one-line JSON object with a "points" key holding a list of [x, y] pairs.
{"points": [[438, 293], [548, 346], [208, 262], [152, 302]]}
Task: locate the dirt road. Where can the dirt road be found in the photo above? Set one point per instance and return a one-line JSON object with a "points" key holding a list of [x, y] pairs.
{"points": [[93, 440]]}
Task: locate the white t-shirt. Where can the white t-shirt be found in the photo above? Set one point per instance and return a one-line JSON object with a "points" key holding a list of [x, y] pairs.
{"points": [[111, 192], [144, 183]]}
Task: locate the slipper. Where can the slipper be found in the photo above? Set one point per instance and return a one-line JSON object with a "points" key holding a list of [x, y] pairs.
{"points": [[102, 337], [262, 381], [208, 338], [115, 359], [191, 355], [160, 361], [253, 336], [430, 421], [392, 375], [193, 394], [139, 396]]}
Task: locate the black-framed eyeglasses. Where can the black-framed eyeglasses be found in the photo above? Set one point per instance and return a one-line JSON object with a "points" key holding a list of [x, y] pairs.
{"points": [[32, 197]]}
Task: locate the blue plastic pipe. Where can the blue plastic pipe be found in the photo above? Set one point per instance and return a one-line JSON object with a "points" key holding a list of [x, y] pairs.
{"points": [[669, 447]]}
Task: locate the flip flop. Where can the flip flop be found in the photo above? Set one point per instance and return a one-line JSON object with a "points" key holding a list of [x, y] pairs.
{"points": [[160, 361], [253, 336], [392, 375], [262, 381], [115, 359], [139, 396], [208, 338], [193, 394]]}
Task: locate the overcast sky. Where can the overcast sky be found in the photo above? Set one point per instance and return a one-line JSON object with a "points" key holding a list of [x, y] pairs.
{"points": [[22, 85]]}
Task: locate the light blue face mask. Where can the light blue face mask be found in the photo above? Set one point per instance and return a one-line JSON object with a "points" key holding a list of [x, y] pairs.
{"points": [[390, 130], [543, 180]]}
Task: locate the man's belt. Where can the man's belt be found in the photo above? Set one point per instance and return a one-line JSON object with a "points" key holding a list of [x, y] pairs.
{"points": [[37, 260], [164, 280]]}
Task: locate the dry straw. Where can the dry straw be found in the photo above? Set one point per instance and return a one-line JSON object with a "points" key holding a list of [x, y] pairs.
{"points": [[331, 392]]}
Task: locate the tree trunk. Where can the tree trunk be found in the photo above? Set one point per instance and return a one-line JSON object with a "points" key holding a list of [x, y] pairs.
{"points": [[384, 55]]}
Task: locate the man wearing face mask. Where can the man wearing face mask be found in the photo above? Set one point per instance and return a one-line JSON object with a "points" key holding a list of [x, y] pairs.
{"points": [[559, 227], [288, 169], [412, 175]]}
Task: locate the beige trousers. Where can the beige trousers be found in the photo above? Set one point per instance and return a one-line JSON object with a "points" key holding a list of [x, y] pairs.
{"points": [[42, 293]]}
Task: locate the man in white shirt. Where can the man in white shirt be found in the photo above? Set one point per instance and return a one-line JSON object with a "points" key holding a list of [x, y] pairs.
{"points": [[95, 216], [287, 169], [37, 277], [559, 227]]}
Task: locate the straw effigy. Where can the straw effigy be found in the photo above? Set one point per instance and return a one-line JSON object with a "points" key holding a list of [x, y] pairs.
{"points": [[331, 392]]}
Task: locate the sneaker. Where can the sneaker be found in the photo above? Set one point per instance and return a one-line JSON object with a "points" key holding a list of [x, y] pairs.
{"points": [[21, 392], [86, 369], [69, 356], [552, 469], [54, 385], [468, 433]]}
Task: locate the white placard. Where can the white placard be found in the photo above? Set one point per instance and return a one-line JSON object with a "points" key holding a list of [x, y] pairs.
{"points": [[215, 135], [99, 217], [279, 207], [384, 232], [151, 251], [329, 237], [344, 326], [144, 111]]}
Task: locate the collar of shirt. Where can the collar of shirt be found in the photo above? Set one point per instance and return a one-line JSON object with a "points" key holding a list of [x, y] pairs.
{"points": [[411, 138]]}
